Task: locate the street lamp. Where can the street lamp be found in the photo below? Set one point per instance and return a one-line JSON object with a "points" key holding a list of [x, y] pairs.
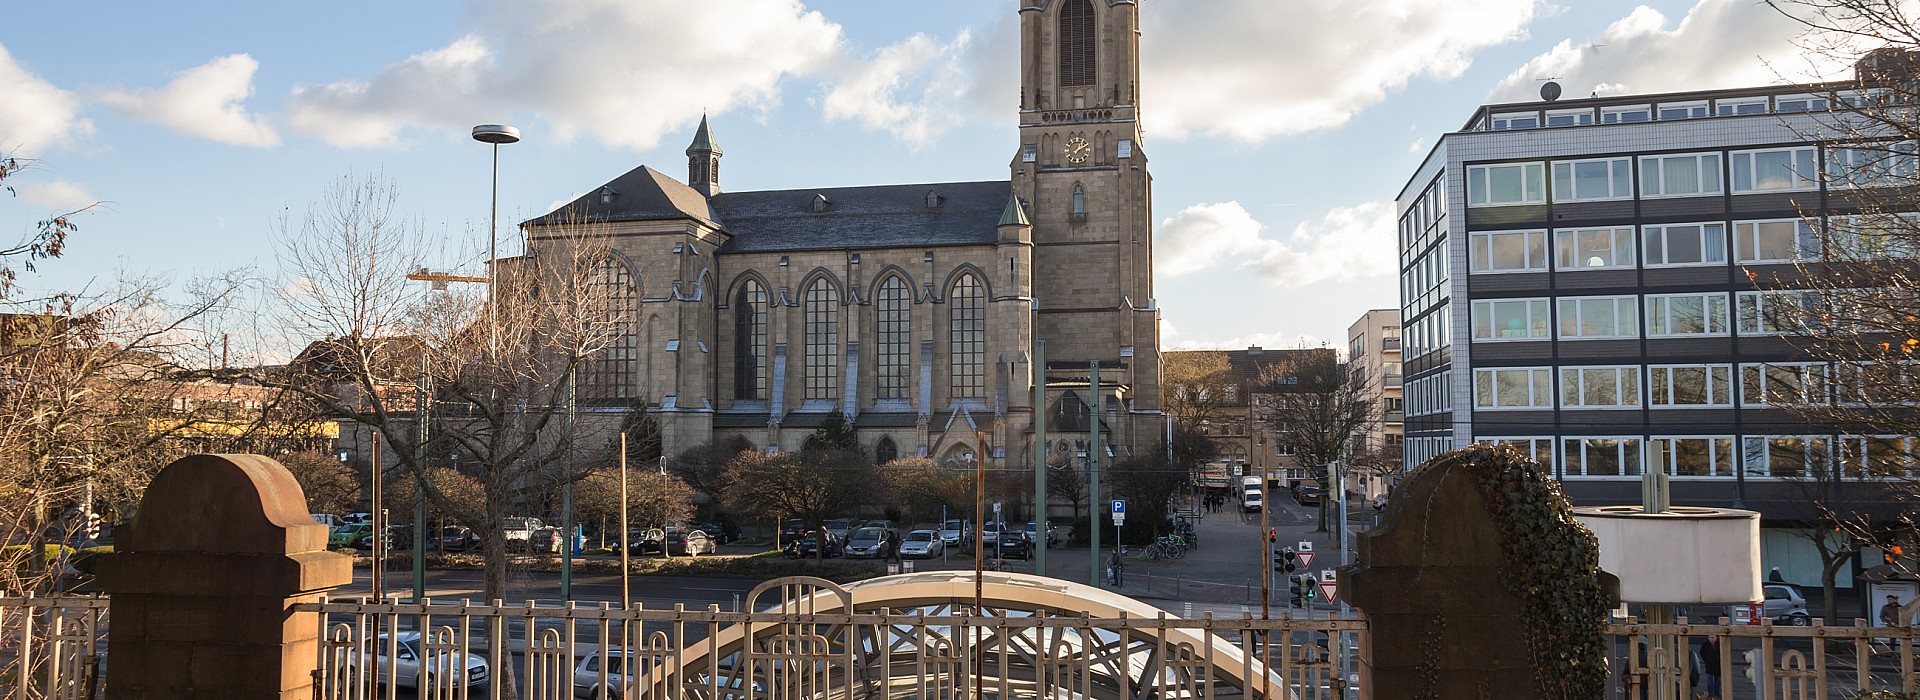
{"points": [[495, 134]]}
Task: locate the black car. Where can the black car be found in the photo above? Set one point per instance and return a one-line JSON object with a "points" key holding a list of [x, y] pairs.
{"points": [[792, 528], [1013, 544], [644, 541], [807, 546], [458, 539], [722, 532]]}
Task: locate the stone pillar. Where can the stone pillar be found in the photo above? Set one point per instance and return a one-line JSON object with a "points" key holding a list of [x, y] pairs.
{"points": [[203, 583], [1441, 622]]}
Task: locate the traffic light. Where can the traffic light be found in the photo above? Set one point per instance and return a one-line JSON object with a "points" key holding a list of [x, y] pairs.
{"points": [[1286, 561], [1297, 592], [1311, 584], [1756, 667]]}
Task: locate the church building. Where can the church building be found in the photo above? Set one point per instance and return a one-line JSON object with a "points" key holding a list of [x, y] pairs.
{"points": [[910, 310]]}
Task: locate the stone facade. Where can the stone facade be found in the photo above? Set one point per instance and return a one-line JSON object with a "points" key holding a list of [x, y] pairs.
{"points": [[1062, 252]]}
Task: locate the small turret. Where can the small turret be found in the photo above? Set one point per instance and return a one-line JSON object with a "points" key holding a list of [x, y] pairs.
{"points": [[703, 161], [1014, 226]]}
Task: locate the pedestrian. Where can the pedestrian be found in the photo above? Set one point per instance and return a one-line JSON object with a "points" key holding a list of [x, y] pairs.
{"points": [[1115, 567], [1710, 664], [1775, 577], [1890, 613]]}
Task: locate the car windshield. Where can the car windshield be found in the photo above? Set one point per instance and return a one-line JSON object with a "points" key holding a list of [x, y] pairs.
{"points": [[868, 535], [950, 525], [919, 536]]}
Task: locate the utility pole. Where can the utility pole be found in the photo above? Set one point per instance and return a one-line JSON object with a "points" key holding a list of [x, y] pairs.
{"points": [[378, 549], [626, 594], [1266, 574], [1040, 454], [566, 497], [1094, 504]]}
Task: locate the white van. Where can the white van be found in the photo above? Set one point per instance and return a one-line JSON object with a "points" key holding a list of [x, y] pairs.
{"points": [[1251, 501], [1249, 483]]}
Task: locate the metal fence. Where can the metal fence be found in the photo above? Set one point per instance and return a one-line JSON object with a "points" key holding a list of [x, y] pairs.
{"points": [[52, 648]]}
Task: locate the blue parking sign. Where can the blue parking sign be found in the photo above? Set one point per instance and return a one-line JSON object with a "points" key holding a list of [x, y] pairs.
{"points": [[1119, 507]]}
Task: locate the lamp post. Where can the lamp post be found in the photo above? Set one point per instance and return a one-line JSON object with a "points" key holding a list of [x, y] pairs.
{"points": [[495, 134]]}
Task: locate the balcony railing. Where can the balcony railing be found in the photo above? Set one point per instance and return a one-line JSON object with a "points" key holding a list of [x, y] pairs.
{"points": [[1391, 380]]}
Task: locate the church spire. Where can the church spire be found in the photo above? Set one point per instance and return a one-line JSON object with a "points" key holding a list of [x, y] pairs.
{"points": [[703, 161]]}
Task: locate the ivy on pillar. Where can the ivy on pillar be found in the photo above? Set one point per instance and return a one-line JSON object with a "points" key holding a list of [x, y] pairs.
{"points": [[204, 583]]}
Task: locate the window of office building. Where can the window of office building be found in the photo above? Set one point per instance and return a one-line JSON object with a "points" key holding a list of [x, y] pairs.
{"points": [[1873, 236], [1775, 169], [1609, 178], [1600, 456], [1508, 251], [1626, 114], [1781, 456], [1518, 120], [1672, 245], [1799, 103], [1692, 456], [1570, 117], [1539, 449], [1511, 319], [1518, 387], [1741, 106], [1779, 240], [1876, 165], [1593, 248], [1507, 184], [1690, 385], [1600, 387], [1682, 175], [1686, 314], [1683, 110], [1599, 317], [1772, 311], [1783, 384], [1874, 457]]}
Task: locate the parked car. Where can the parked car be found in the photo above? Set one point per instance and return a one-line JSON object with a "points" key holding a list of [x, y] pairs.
{"points": [[792, 528], [922, 544], [885, 525], [356, 518], [519, 531], [1013, 544], [407, 661], [1785, 605], [839, 527], [1308, 493], [396, 537], [547, 539], [645, 541], [689, 542], [1052, 538], [455, 538], [871, 543], [586, 676], [722, 531], [807, 546], [956, 533], [328, 519], [349, 535]]}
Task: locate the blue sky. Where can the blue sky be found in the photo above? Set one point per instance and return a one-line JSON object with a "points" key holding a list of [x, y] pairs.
{"points": [[1277, 139]]}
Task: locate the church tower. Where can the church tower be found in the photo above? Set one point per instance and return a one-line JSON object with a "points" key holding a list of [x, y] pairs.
{"points": [[703, 161], [1083, 173]]}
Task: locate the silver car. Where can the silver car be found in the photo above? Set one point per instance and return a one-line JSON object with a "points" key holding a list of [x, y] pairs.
{"points": [[956, 532], [922, 544], [587, 680], [406, 664], [1785, 605]]}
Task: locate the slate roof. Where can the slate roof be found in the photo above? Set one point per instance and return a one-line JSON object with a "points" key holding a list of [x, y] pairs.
{"points": [[642, 194], [880, 216]]}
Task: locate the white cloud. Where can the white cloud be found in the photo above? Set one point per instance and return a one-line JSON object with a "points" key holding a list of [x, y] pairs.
{"points": [[34, 114], [1346, 243], [1250, 70], [55, 195], [1719, 44], [622, 72], [907, 89], [208, 101]]}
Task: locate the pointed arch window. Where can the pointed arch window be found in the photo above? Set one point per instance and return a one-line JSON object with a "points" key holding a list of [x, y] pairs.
{"points": [[1076, 43], [750, 342], [610, 375], [885, 451], [822, 308], [893, 368], [967, 336], [1079, 201]]}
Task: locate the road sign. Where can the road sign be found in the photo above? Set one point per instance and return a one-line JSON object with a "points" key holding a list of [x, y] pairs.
{"points": [[1306, 558], [1119, 513], [1329, 589], [1305, 546]]}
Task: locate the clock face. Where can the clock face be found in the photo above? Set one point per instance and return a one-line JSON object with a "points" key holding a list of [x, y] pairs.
{"points": [[1077, 150]]}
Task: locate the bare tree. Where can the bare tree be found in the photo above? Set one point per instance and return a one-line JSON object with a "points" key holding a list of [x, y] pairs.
{"points": [[1316, 407], [653, 499], [1198, 386], [813, 485], [329, 484]]}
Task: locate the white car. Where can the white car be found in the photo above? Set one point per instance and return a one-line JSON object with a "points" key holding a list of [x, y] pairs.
{"points": [[922, 544], [406, 665], [953, 533]]}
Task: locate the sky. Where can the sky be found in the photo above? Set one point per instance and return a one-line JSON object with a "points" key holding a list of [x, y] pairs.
{"points": [[1278, 133]]}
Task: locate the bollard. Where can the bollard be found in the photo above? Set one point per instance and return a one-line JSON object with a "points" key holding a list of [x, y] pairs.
{"points": [[736, 602]]}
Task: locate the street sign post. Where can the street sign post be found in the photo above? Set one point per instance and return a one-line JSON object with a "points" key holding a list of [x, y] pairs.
{"points": [[1306, 558], [1305, 546], [1119, 512]]}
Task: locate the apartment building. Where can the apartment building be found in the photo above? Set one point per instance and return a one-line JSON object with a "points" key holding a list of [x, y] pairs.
{"points": [[1373, 355], [1579, 279]]}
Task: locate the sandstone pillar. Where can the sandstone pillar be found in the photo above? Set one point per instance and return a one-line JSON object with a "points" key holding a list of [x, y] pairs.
{"points": [[203, 585]]}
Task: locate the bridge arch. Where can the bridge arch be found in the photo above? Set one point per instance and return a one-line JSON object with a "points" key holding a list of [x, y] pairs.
{"points": [[912, 635]]}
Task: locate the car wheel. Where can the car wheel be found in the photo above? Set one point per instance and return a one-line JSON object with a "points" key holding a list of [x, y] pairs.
{"points": [[1799, 620]]}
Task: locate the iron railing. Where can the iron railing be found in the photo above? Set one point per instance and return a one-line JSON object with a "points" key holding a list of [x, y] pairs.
{"points": [[51, 648]]}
